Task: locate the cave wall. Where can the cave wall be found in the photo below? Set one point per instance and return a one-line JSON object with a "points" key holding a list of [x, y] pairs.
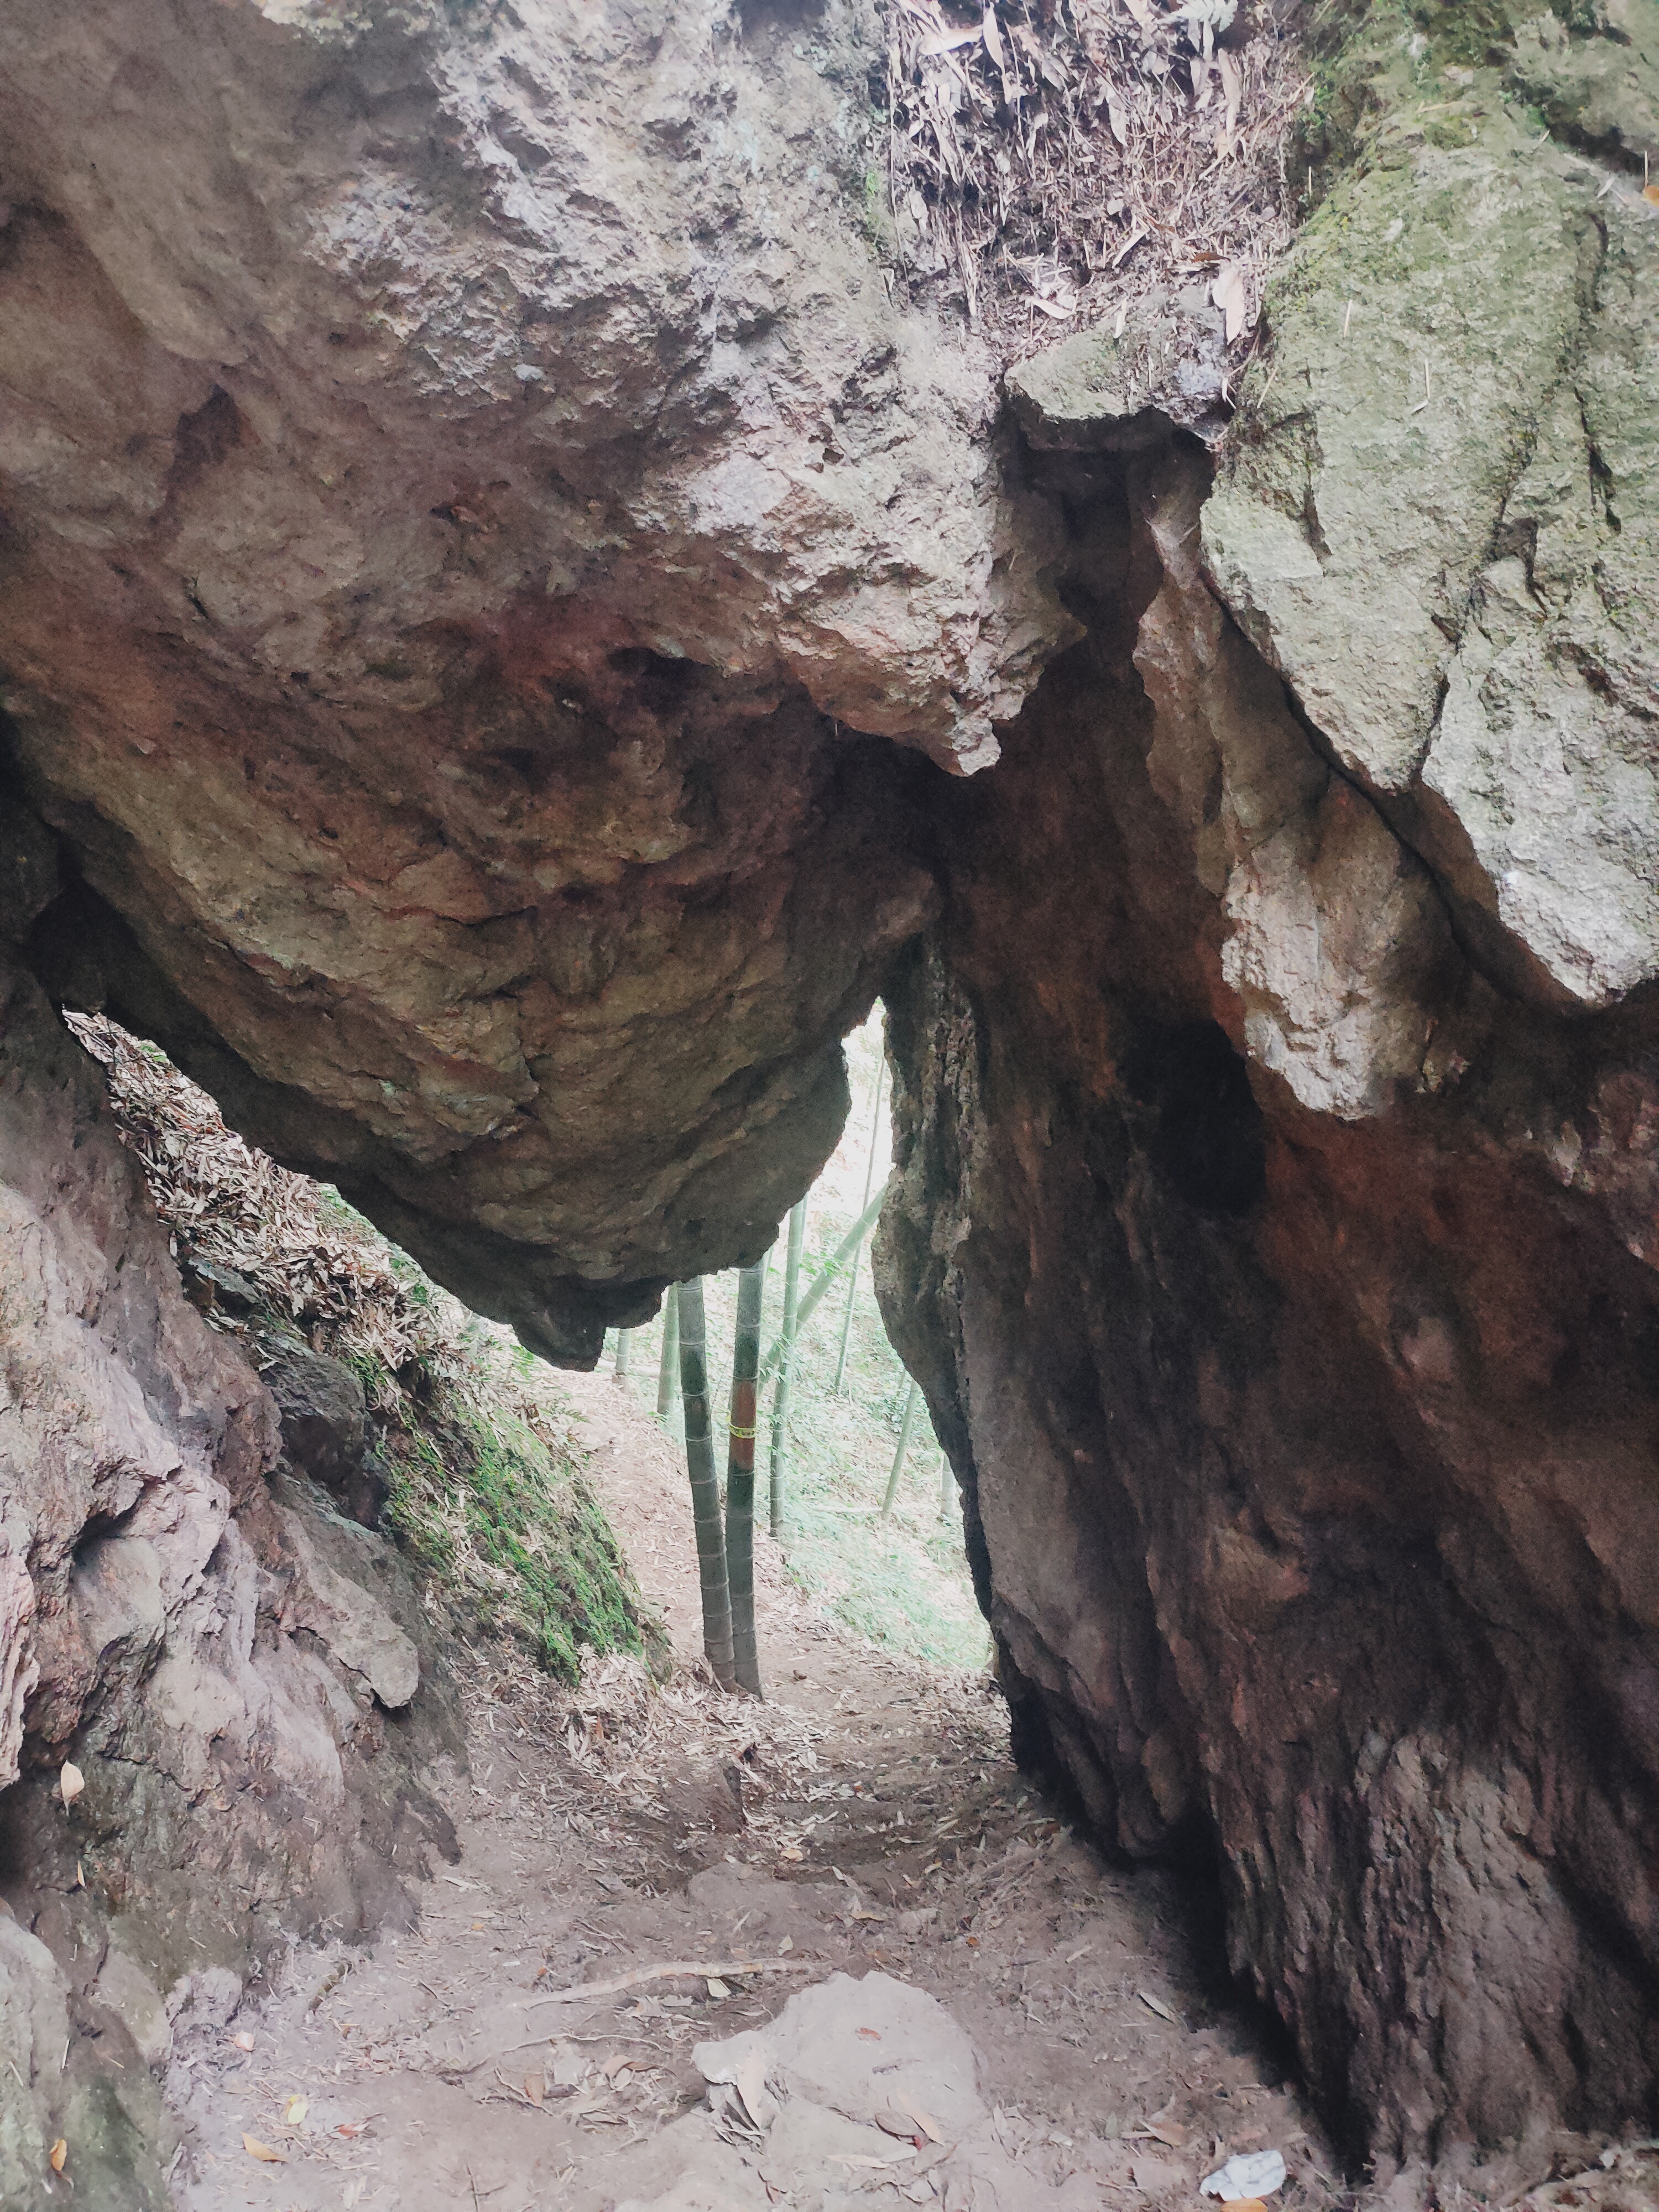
{"points": [[1311, 1457], [246, 1682], [1278, 1099]]}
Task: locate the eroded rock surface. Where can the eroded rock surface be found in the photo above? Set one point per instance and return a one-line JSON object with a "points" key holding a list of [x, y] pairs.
{"points": [[241, 1779], [1440, 520], [493, 580], [1277, 1251], [480, 459]]}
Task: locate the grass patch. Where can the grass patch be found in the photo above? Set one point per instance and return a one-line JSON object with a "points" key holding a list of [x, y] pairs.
{"points": [[485, 1487], [496, 1509]]}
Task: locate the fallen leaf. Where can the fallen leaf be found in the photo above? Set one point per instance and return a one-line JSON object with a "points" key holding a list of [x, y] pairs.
{"points": [[787, 1944], [1651, 192], [70, 1781], [58, 2153], [870, 2034], [1157, 2005], [532, 2089], [1167, 2132], [717, 1988], [1228, 292], [255, 2149], [80, 1874], [296, 2110], [242, 2039], [925, 2121], [758, 2101], [946, 42], [352, 2128], [1232, 80]]}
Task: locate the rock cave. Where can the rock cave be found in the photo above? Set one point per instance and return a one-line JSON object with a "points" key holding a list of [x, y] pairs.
{"points": [[526, 607]]}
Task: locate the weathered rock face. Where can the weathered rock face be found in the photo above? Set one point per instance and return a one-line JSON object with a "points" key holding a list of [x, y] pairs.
{"points": [[1279, 1255], [1442, 522], [223, 1654], [478, 460], [476, 521]]}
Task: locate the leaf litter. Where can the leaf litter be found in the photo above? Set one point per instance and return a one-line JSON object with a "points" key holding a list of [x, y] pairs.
{"points": [[1053, 164]]}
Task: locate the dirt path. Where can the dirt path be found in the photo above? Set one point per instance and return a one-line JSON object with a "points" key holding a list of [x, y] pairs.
{"points": [[865, 1819]]}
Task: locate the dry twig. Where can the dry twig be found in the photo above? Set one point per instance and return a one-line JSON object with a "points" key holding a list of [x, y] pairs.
{"points": [[1051, 160], [677, 1969]]}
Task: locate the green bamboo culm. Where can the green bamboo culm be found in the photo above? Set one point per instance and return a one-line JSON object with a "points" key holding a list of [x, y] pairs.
{"points": [[858, 1249], [705, 1486], [624, 1353], [668, 1372], [786, 1348], [912, 1400], [740, 1479], [826, 1275]]}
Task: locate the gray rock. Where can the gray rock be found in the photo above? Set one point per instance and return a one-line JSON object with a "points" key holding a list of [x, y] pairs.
{"points": [[133, 1998], [29, 878], [355, 1627], [605, 492], [152, 1651], [1542, 780], [322, 1409], [33, 2030], [1421, 323], [1601, 85], [1097, 391], [116, 1591]]}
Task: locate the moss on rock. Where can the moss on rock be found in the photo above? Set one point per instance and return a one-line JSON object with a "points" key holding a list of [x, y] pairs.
{"points": [[494, 1505]]}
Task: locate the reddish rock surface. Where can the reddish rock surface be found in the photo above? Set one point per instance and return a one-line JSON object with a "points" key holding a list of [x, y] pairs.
{"points": [[1310, 1455]]}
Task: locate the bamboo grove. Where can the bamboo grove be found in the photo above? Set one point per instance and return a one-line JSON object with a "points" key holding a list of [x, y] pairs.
{"points": [[724, 1515]]}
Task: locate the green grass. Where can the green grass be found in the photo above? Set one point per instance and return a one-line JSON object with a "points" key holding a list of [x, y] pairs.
{"points": [[503, 1517]]}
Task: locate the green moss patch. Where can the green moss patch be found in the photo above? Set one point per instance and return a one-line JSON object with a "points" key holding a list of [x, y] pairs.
{"points": [[495, 1507]]}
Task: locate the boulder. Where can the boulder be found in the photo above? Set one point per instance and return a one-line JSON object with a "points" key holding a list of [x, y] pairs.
{"points": [[322, 1409]]}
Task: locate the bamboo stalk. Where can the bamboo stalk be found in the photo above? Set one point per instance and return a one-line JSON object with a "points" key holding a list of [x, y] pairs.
{"points": [[908, 1423], [858, 1250], [624, 1353], [822, 1279], [786, 1361], [740, 1479], [705, 1486], [668, 1370]]}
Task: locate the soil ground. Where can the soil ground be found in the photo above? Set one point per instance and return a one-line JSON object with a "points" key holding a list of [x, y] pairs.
{"points": [[865, 1817]]}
